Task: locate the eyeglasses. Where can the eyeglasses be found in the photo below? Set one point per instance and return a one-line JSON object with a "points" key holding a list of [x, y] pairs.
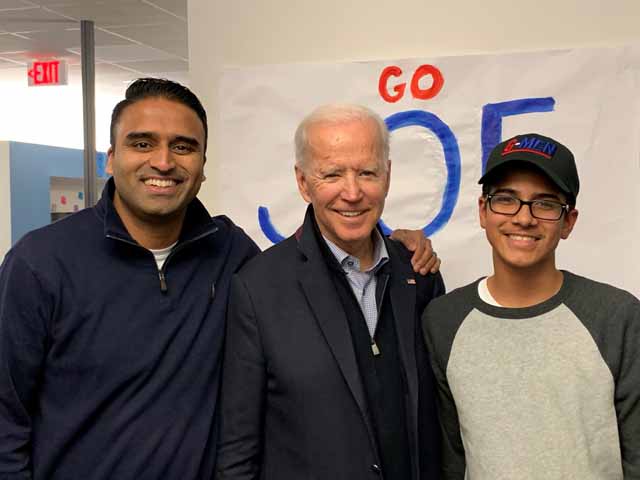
{"points": [[540, 209]]}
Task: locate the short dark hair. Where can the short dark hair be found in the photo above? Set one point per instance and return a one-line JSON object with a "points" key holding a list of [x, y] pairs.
{"points": [[144, 88], [495, 177]]}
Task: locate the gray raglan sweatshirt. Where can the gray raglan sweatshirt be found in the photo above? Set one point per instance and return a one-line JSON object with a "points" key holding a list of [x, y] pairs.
{"points": [[548, 392]]}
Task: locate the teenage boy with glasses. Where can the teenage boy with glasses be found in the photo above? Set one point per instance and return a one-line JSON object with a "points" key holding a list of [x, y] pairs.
{"points": [[538, 368]]}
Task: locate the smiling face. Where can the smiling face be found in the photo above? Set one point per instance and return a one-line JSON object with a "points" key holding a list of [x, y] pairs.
{"points": [[345, 181], [522, 242], [157, 161]]}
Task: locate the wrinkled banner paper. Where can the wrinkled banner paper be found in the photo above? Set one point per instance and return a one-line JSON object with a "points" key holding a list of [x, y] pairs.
{"points": [[444, 113]]}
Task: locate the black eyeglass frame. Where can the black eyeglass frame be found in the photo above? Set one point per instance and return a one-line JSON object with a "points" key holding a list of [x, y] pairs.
{"points": [[565, 207]]}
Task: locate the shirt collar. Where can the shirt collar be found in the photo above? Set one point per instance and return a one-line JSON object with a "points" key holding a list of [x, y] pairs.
{"points": [[347, 261], [197, 222]]}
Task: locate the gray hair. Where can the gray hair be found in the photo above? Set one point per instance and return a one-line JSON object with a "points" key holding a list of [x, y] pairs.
{"points": [[335, 114]]}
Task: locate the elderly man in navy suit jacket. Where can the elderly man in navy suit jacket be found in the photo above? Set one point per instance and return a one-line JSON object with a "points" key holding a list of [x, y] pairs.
{"points": [[325, 375]]}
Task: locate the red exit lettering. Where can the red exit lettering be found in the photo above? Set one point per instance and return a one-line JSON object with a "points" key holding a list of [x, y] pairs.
{"points": [[45, 73], [417, 91]]}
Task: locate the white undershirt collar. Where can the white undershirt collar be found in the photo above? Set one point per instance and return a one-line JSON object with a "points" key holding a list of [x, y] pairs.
{"points": [[485, 294], [161, 254]]}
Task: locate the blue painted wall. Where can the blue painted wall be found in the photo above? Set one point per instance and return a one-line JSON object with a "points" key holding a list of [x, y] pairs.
{"points": [[30, 168]]}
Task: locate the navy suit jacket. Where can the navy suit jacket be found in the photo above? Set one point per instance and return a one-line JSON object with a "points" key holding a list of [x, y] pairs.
{"points": [[293, 403]]}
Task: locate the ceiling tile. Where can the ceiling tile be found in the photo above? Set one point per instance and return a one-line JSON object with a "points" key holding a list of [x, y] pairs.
{"points": [[103, 71], [112, 76], [17, 57], [5, 64], [158, 66], [56, 3], [178, 8], [11, 43], [70, 38], [172, 37], [149, 37], [32, 19], [130, 53], [9, 4], [26, 56], [115, 12]]}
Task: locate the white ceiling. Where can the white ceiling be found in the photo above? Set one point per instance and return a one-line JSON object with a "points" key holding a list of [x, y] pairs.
{"points": [[133, 38]]}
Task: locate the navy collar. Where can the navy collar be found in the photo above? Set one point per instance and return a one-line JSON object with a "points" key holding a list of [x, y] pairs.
{"points": [[197, 221]]}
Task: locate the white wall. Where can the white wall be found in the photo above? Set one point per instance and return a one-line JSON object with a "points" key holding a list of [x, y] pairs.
{"points": [[253, 32], [52, 115]]}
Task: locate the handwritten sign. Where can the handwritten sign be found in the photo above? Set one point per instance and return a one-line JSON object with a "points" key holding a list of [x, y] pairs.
{"points": [[445, 115]]}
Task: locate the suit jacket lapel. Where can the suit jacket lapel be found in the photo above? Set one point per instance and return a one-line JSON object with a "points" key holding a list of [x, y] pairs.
{"points": [[327, 309], [402, 290], [403, 301], [315, 280]]}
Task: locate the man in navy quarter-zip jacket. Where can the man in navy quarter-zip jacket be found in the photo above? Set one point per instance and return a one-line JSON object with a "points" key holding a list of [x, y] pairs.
{"points": [[109, 358], [112, 320]]}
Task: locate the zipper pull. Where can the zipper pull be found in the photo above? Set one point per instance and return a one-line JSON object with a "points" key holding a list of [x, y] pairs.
{"points": [[374, 348], [163, 281]]}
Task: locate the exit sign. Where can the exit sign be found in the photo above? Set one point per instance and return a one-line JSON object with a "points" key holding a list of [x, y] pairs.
{"points": [[50, 72]]}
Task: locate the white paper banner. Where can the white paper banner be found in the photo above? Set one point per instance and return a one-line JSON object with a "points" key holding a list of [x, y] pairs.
{"points": [[441, 112]]}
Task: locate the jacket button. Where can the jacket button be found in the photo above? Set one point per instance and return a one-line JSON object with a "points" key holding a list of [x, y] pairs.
{"points": [[376, 468]]}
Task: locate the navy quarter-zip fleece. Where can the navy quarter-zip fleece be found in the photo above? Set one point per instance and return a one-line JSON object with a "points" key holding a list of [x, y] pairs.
{"points": [[109, 368]]}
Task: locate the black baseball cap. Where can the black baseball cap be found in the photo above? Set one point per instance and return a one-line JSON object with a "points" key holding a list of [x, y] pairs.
{"points": [[549, 155]]}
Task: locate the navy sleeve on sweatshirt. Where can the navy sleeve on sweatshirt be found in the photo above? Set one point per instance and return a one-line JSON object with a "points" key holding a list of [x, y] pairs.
{"points": [[24, 317]]}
